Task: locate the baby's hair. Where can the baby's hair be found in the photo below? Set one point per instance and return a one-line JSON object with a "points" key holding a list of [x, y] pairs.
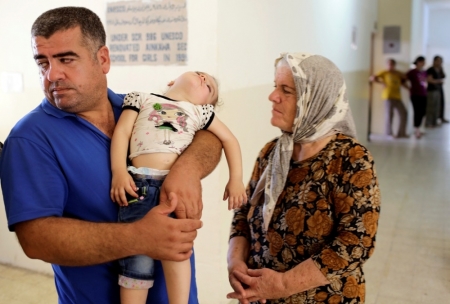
{"points": [[217, 102]]}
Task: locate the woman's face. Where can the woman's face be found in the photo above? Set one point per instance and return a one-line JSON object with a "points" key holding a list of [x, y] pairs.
{"points": [[283, 98], [420, 64]]}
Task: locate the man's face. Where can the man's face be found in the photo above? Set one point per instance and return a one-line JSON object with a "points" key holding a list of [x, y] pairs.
{"points": [[71, 78], [438, 61]]}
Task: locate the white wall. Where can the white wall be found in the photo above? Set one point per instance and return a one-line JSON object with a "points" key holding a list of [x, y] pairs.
{"points": [[438, 43], [234, 40], [419, 25]]}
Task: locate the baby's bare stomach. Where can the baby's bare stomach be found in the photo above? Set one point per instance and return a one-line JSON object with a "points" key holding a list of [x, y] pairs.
{"points": [[160, 161]]}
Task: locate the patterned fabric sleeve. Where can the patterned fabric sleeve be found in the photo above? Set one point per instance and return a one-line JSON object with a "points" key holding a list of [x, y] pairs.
{"points": [[207, 116], [239, 225], [132, 101], [356, 200]]}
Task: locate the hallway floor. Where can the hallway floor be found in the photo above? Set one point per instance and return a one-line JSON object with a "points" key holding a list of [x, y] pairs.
{"points": [[411, 263]]}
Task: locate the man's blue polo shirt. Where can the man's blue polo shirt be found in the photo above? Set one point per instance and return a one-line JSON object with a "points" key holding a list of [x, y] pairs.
{"points": [[55, 163]]}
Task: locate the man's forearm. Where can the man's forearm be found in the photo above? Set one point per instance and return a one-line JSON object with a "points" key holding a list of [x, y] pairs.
{"points": [[195, 163], [71, 242], [202, 155]]}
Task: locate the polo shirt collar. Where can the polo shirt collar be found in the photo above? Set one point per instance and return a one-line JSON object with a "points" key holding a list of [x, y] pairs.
{"points": [[116, 102]]}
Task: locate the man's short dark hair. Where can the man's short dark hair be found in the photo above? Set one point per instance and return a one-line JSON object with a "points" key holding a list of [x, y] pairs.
{"points": [[64, 18]]}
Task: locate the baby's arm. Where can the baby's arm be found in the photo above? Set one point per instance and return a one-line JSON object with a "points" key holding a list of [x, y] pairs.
{"points": [[121, 179], [235, 190]]}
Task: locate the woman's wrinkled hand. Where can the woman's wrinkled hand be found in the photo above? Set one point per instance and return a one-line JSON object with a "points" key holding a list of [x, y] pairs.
{"points": [[234, 267], [261, 284]]}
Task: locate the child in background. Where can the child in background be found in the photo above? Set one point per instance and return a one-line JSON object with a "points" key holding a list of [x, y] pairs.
{"points": [[157, 128], [392, 80]]}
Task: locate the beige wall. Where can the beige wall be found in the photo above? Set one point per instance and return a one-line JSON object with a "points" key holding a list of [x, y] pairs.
{"points": [[235, 40]]}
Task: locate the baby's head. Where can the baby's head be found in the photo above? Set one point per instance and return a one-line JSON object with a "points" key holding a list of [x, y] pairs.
{"points": [[198, 88]]}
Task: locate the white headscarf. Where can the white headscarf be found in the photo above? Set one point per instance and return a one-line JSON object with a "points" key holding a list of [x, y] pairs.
{"points": [[322, 110]]}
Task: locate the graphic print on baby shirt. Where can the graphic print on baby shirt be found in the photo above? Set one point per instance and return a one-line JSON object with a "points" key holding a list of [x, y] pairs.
{"points": [[164, 125], [168, 118]]}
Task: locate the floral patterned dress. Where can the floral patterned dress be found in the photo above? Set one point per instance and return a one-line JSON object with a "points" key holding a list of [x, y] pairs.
{"points": [[328, 211]]}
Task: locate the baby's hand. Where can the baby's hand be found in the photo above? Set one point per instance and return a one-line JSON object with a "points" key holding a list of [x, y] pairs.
{"points": [[121, 184], [235, 192]]}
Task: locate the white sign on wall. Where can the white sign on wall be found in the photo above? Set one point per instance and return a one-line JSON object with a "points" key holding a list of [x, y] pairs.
{"points": [[147, 33]]}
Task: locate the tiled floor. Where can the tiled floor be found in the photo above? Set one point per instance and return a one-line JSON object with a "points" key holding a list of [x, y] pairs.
{"points": [[411, 263], [19, 286]]}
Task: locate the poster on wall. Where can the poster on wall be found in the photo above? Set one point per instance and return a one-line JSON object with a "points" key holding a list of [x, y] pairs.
{"points": [[147, 32], [391, 39]]}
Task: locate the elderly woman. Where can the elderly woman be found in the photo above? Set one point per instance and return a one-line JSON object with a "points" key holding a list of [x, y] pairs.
{"points": [[312, 218]]}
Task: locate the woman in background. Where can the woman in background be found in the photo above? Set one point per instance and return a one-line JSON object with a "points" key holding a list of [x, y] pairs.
{"points": [[418, 93]]}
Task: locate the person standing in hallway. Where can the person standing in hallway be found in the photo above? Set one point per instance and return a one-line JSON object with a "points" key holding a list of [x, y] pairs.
{"points": [[392, 80], [418, 93], [311, 221], [55, 172], [435, 100]]}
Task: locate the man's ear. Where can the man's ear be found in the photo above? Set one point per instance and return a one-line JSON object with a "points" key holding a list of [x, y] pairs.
{"points": [[170, 83], [103, 58]]}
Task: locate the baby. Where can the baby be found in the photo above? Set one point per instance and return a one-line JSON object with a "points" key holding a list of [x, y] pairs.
{"points": [[156, 129]]}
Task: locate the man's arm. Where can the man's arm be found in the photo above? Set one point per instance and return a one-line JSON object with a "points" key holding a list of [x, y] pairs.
{"points": [[195, 163], [72, 242], [376, 78], [432, 80]]}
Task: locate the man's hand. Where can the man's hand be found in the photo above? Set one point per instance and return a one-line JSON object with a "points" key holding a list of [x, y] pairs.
{"points": [[165, 238], [196, 162], [262, 284], [189, 194], [72, 242]]}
